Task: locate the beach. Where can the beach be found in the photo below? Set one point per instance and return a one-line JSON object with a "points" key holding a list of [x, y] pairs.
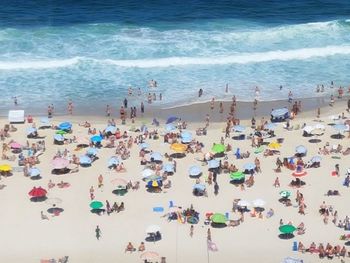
{"points": [[27, 237]]}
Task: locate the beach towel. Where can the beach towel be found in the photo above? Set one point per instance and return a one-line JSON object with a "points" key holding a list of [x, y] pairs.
{"points": [[158, 209], [259, 150]]}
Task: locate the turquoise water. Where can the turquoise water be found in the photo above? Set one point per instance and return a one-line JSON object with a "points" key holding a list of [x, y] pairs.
{"points": [[56, 57]]}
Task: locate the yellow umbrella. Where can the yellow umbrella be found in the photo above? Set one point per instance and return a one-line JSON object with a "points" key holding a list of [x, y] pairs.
{"points": [[178, 147], [5, 168], [274, 145]]}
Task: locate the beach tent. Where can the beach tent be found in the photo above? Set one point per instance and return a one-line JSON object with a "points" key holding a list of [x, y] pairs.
{"points": [[16, 116], [278, 115]]}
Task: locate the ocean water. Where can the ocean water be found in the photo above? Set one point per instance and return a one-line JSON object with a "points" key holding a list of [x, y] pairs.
{"points": [[92, 52]]}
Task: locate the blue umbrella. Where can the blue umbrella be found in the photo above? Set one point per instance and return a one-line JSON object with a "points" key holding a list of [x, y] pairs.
{"points": [[31, 130], [144, 145], [186, 137], [169, 168], [280, 112], [200, 187], [113, 161], [111, 129], [194, 170], [238, 128], [96, 138], [84, 159], [92, 151], [340, 127], [214, 163], [316, 159], [301, 149], [170, 127], [65, 126], [249, 166], [171, 119], [34, 172], [156, 156], [270, 126], [58, 137]]}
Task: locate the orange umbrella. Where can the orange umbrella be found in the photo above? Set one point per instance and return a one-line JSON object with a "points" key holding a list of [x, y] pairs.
{"points": [[179, 147]]}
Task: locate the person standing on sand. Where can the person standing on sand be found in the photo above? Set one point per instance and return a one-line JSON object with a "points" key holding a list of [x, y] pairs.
{"points": [[318, 112], [207, 119], [208, 234], [100, 181], [98, 232], [191, 230], [221, 108], [142, 107], [70, 107], [108, 110], [212, 103]]}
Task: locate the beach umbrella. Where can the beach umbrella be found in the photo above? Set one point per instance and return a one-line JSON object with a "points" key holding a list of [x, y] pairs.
{"points": [[152, 229], [178, 147], [144, 145], [237, 176], [270, 126], [96, 138], [84, 159], [340, 127], [308, 129], [119, 182], [259, 203], [239, 128], [249, 166], [59, 163], [186, 137], [200, 187], [171, 119], [287, 229], [15, 145], [92, 151], [96, 205], [243, 203], [154, 183], [214, 163], [170, 127], [218, 148], [31, 130], [61, 132], [169, 168], [113, 161], [285, 194], [274, 145], [53, 201], [58, 137], [301, 149], [218, 218], [37, 192], [156, 156], [299, 173], [316, 159], [279, 112], [153, 177], [65, 126], [194, 170], [320, 126], [147, 173], [149, 256], [5, 168], [34, 172], [111, 129]]}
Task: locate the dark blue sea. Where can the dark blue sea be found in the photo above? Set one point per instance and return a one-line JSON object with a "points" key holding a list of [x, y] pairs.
{"points": [[93, 51]]}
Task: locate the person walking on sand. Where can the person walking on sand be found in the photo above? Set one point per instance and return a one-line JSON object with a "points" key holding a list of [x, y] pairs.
{"points": [[318, 112], [221, 108], [98, 232], [100, 181], [70, 107], [191, 230]]}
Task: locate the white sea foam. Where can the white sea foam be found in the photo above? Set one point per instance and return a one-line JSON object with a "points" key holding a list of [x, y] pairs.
{"points": [[243, 58], [38, 64]]}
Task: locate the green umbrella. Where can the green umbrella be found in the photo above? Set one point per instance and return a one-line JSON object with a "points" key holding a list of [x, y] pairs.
{"points": [[218, 148], [218, 218], [285, 194], [96, 205], [61, 132], [237, 176], [287, 229]]}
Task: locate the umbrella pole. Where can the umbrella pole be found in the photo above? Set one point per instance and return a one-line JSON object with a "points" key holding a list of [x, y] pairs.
{"points": [[208, 251]]}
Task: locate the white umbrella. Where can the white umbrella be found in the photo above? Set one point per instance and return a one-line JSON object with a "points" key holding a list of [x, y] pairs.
{"points": [[147, 173], [243, 203], [259, 203], [152, 229], [308, 129]]}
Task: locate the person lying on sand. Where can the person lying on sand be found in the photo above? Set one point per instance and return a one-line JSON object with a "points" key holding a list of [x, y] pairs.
{"points": [[130, 248]]}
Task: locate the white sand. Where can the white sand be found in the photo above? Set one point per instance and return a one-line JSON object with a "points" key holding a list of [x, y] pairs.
{"points": [[26, 238]]}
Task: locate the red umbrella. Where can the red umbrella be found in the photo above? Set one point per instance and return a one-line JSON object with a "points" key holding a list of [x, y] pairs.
{"points": [[60, 163], [37, 192], [299, 174]]}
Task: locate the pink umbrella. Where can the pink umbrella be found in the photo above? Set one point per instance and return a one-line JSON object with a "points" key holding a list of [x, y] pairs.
{"points": [[15, 145], [60, 163]]}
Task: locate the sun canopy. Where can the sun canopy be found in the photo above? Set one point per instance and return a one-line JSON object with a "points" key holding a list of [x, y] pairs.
{"points": [[287, 229], [65, 126], [218, 218], [282, 112], [214, 163], [194, 170], [218, 148]]}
